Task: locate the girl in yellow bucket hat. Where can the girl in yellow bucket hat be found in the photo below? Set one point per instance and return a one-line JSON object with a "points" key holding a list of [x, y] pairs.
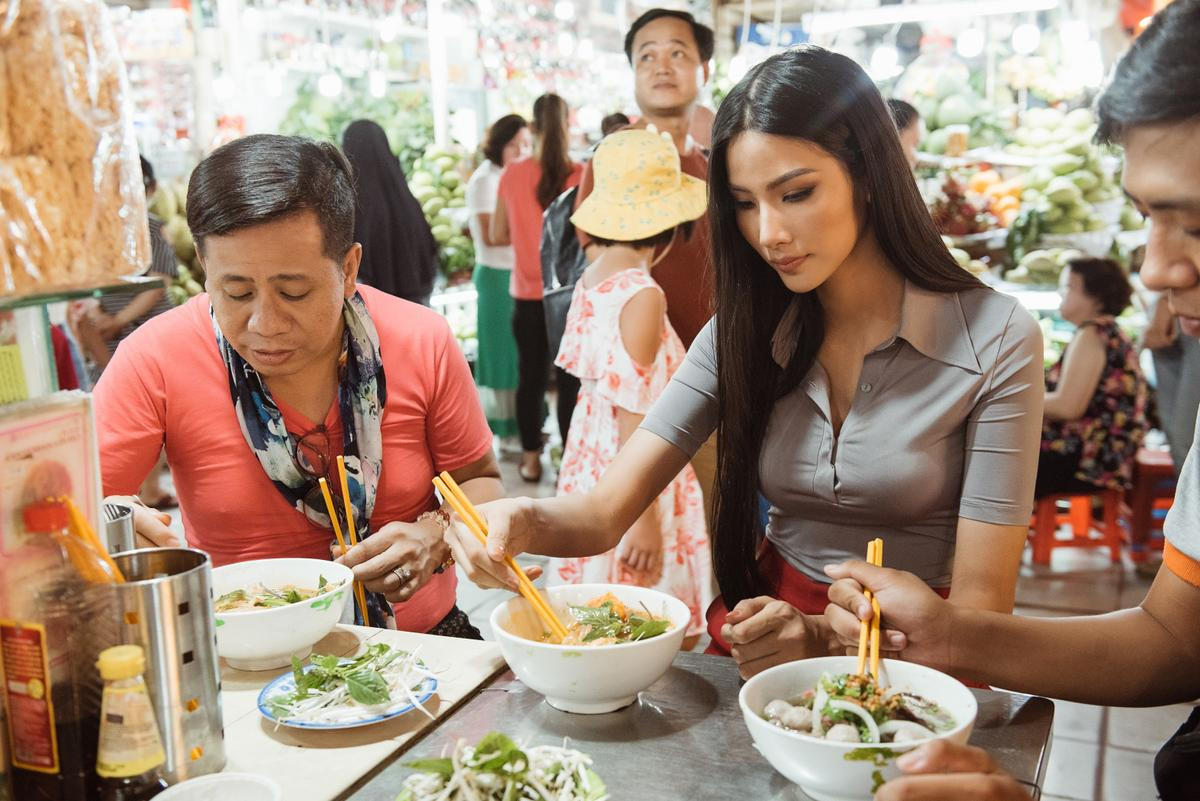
{"points": [[621, 346]]}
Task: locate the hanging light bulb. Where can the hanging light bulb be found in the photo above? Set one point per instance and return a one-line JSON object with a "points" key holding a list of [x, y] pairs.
{"points": [[274, 82], [224, 88], [330, 84], [564, 10], [885, 62], [377, 83], [1025, 38], [970, 43], [388, 30]]}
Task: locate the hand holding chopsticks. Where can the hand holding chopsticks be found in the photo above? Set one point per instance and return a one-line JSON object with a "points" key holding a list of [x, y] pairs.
{"points": [[474, 521], [871, 628]]}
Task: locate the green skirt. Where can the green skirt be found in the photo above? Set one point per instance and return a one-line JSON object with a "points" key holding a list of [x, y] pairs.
{"points": [[496, 362]]}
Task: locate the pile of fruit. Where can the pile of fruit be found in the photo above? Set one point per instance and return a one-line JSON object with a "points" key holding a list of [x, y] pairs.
{"points": [[964, 260], [1069, 181], [945, 97], [1003, 196], [957, 212], [1042, 267], [169, 204], [438, 185]]}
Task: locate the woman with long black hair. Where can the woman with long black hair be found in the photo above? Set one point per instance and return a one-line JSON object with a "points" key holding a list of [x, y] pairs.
{"points": [[527, 187], [855, 376], [399, 251]]}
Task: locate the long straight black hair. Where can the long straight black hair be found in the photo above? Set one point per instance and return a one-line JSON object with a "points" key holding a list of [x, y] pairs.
{"points": [[553, 146], [827, 100]]}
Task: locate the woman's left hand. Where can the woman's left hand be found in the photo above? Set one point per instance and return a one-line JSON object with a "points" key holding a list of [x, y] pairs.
{"points": [[763, 632], [398, 559], [943, 771]]}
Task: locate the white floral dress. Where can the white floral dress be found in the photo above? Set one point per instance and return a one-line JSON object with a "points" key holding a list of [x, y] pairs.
{"points": [[592, 350]]}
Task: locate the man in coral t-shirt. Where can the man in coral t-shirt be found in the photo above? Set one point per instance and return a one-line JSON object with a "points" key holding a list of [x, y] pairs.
{"points": [[258, 386]]}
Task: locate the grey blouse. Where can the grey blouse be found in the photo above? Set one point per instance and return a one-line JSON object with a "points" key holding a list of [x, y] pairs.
{"points": [[945, 424]]}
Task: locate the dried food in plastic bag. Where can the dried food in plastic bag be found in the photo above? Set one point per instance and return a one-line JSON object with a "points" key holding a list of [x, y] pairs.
{"points": [[72, 203]]}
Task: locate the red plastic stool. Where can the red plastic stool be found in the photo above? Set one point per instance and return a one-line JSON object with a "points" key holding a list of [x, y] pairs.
{"points": [[1153, 489], [1046, 520]]}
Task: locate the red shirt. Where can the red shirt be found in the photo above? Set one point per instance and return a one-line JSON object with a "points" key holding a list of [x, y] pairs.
{"points": [[518, 190], [167, 382]]}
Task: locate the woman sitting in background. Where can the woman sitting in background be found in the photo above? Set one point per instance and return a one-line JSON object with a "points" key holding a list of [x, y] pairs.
{"points": [[1095, 412]]}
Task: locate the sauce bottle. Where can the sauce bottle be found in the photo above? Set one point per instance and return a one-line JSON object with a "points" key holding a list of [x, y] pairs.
{"points": [[130, 752], [56, 615]]}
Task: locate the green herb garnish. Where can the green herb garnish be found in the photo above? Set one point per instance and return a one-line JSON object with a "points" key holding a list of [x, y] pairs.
{"points": [[603, 621]]}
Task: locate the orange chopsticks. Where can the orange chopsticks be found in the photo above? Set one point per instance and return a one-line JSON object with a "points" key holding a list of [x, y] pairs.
{"points": [[874, 557], [360, 597], [463, 507], [83, 530]]}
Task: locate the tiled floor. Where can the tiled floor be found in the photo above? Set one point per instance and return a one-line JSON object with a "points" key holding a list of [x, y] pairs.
{"points": [[1098, 754]]}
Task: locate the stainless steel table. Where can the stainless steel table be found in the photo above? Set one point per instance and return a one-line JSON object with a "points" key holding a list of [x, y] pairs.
{"points": [[685, 738]]}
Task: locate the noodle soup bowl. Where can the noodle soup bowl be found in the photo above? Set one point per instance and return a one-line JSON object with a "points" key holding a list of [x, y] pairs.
{"points": [[839, 771], [268, 637], [588, 679]]}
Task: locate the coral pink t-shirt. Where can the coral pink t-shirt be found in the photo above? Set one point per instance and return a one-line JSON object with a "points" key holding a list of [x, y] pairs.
{"points": [[518, 190], [167, 383]]}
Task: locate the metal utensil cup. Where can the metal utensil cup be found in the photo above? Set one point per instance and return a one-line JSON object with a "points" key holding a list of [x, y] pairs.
{"points": [[118, 528], [165, 606]]}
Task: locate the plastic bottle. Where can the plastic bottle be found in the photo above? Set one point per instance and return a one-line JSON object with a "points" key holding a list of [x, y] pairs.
{"points": [[56, 615], [130, 752]]}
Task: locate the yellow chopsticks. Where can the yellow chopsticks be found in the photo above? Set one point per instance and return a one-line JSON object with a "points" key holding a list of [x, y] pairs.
{"points": [[874, 557], [462, 506], [360, 597]]}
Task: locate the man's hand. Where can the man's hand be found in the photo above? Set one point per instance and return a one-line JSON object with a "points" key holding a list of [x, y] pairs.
{"points": [[150, 525], [942, 771], [764, 632], [917, 621], [398, 559]]}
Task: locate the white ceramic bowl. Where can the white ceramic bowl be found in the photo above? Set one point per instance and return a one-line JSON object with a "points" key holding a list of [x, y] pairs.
{"points": [[833, 771], [588, 679], [262, 639], [224, 787]]}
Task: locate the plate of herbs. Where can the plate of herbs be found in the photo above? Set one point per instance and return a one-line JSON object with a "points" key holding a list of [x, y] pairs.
{"points": [[332, 692]]}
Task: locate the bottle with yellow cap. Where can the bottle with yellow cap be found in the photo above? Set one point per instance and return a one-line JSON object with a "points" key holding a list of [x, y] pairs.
{"points": [[130, 752]]}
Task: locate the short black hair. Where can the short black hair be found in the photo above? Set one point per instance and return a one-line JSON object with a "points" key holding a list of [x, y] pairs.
{"points": [[267, 177], [613, 123], [903, 113], [700, 32], [1158, 79], [147, 172], [1104, 280], [659, 240]]}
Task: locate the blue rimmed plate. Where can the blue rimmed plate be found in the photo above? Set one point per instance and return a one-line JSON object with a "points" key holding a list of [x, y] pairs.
{"points": [[286, 684]]}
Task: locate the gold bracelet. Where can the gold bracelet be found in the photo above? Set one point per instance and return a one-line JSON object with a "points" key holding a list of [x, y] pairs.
{"points": [[442, 518]]}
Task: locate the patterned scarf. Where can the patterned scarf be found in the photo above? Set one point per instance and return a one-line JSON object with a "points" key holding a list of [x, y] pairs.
{"points": [[362, 395]]}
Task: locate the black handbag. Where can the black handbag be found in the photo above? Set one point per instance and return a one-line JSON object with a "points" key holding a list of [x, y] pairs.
{"points": [[563, 262]]}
